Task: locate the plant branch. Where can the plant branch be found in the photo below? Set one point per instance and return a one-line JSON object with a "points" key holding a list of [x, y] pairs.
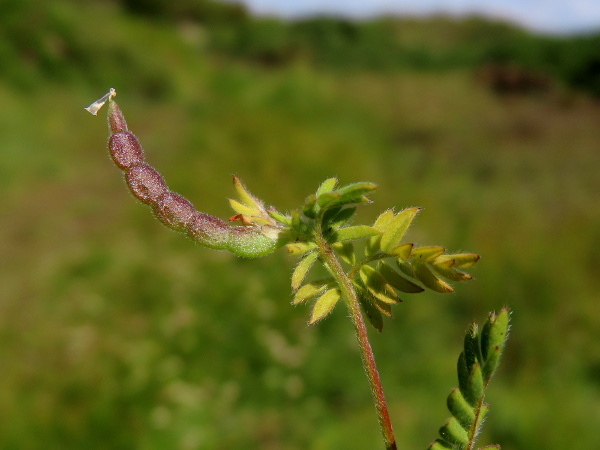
{"points": [[368, 359]]}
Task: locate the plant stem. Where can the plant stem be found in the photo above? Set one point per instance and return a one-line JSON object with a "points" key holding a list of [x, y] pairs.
{"points": [[348, 293]]}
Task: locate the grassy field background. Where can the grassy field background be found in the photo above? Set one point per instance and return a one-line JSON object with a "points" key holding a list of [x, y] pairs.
{"points": [[117, 334]]}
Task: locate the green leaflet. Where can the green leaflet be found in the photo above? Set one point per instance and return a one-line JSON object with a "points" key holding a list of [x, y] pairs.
{"points": [[241, 208], [327, 185], [300, 248], [460, 408], [309, 290], [426, 276], [377, 285], [346, 251], [396, 280], [284, 220], [451, 274], [383, 220], [336, 217], [426, 254], [302, 269], [471, 346], [310, 206], [356, 190], [371, 311], [466, 402], [355, 232], [453, 433], [462, 260], [402, 251], [396, 229], [244, 195], [438, 444], [324, 305], [493, 340], [350, 194]]}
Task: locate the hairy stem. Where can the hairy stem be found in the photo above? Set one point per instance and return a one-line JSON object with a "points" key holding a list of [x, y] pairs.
{"points": [[348, 293]]}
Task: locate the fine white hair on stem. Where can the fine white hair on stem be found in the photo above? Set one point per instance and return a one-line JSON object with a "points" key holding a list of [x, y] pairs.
{"points": [[95, 107]]}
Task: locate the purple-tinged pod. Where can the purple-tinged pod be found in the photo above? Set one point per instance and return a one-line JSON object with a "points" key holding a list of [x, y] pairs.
{"points": [[209, 231], [116, 120], [145, 183], [148, 186], [174, 210], [125, 150]]}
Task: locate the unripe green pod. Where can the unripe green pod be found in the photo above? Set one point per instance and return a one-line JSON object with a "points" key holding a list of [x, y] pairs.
{"points": [[145, 183]]}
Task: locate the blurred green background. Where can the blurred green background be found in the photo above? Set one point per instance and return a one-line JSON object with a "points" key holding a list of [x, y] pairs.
{"points": [[118, 334]]}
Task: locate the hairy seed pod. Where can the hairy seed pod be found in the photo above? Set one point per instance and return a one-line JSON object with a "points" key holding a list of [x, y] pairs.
{"points": [[145, 183], [116, 120], [148, 186], [125, 150], [209, 231], [174, 210]]}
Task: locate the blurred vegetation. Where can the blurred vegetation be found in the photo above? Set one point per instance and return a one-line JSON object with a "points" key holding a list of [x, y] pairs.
{"points": [[118, 334]]}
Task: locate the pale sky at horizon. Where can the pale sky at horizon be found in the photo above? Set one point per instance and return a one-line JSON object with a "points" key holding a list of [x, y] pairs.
{"points": [[550, 16]]}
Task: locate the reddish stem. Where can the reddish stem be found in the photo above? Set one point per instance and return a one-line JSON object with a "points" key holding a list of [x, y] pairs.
{"points": [[366, 352]]}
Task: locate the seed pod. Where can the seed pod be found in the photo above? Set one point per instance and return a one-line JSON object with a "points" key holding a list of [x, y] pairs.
{"points": [[145, 183], [125, 150], [116, 121], [148, 186], [174, 210], [208, 230]]}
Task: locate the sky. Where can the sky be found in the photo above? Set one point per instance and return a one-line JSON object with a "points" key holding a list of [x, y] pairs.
{"points": [[548, 16]]}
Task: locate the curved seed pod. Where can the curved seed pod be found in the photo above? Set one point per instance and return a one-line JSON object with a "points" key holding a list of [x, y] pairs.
{"points": [[125, 149], [209, 231], [145, 183], [174, 210], [148, 186]]}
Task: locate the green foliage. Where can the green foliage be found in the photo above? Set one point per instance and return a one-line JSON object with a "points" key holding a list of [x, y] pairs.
{"points": [[329, 211], [476, 365]]}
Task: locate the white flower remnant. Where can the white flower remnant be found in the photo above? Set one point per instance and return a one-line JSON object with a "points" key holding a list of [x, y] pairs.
{"points": [[95, 107]]}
